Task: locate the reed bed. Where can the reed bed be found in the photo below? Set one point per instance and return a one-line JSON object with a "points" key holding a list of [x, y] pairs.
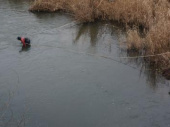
{"points": [[152, 15], [126, 11]]}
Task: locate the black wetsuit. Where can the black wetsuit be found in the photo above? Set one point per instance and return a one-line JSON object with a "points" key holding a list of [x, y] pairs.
{"points": [[27, 41]]}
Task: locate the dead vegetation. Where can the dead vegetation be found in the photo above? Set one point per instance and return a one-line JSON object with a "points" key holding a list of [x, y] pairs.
{"points": [[152, 15]]}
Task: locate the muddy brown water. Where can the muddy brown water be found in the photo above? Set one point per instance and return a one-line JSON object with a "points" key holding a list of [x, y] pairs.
{"points": [[74, 76]]}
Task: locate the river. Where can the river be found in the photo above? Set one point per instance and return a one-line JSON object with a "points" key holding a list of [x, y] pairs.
{"points": [[74, 75]]}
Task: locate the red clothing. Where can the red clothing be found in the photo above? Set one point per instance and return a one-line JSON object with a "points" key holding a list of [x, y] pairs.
{"points": [[23, 41]]}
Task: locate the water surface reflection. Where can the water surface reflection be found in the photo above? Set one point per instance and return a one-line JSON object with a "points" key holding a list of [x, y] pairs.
{"points": [[25, 48], [98, 34], [75, 76]]}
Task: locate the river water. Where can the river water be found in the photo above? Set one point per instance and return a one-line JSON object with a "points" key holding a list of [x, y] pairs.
{"points": [[74, 75]]}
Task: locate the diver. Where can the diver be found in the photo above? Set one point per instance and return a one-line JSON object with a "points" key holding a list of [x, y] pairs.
{"points": [[25, 41]]}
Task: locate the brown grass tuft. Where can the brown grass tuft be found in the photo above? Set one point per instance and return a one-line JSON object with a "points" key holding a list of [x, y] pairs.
{"points": [[134, 40]]}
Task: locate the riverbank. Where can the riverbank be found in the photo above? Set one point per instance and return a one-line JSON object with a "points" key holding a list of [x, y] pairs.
{"points": [[152, 15]]}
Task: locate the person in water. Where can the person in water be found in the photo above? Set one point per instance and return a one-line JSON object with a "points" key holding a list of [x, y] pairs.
{"points": [[25, 41]]}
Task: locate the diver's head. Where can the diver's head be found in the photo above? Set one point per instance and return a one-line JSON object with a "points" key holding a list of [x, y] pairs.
{"points": [[19, 38]]}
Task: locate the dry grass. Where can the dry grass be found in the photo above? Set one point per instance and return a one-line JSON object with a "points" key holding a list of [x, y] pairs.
{"points": [[127, 11], [155, 41], [82, 9], [136, 42], [154, 15]]}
